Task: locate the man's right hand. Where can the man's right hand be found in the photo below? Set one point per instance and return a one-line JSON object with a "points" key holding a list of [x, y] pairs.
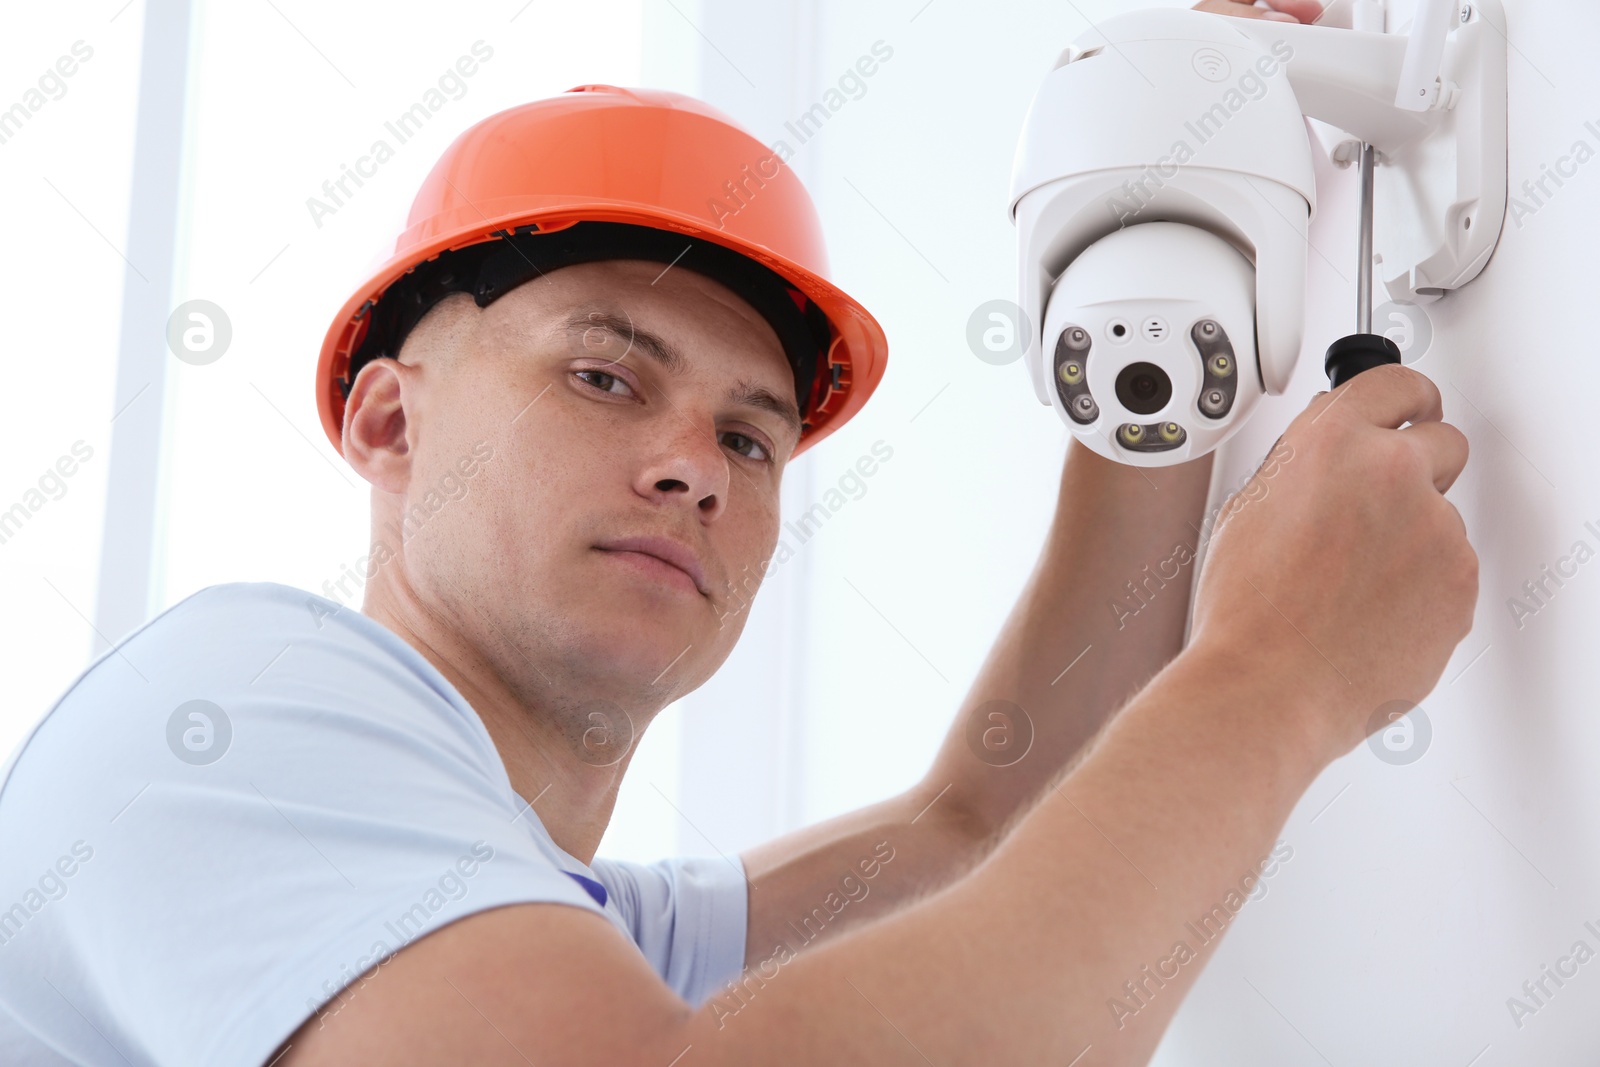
{"points": [[1350, 569]]}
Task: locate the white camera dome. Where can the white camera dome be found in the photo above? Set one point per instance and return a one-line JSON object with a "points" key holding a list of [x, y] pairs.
{"points": [[1149, 344]]}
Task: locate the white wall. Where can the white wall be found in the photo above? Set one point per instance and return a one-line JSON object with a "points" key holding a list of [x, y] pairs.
{"points": [[1424, 895], [64, 180]]}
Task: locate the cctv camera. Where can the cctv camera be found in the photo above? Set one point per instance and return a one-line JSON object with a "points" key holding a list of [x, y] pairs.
{"points": [[1161, 239], [1150, 343], [1163, 187]]}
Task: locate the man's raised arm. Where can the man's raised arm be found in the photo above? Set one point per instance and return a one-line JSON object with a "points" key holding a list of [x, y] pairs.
{"points": [[1103, 610]]}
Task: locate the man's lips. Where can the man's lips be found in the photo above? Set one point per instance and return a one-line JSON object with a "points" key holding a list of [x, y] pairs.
{"points": [[667, 551]]}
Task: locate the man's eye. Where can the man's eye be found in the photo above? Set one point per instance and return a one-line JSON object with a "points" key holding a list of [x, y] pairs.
{"points": [[603, 375], [742, 441]]}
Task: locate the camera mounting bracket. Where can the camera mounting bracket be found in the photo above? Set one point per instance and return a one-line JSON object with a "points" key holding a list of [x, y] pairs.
{"points": [[1432, 101]]}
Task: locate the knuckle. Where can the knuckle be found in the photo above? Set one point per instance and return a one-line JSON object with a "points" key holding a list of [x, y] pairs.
{"points": [[1388, 376], [1465, 570], [1415, 460], [1469, 591], [1413, 378]]}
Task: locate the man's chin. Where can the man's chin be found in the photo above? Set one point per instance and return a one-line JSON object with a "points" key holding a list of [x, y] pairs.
{"points": [[635, 639]]}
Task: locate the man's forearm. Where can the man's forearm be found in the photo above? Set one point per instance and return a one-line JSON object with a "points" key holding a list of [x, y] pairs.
{"points": [[1104, 610], [1175, 804]]}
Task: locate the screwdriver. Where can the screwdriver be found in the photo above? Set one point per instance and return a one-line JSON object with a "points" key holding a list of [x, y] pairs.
{"points": [[1362, 350]]}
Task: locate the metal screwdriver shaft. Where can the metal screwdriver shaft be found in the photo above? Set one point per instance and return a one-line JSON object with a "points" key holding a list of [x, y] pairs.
{"points": [[1362, 350], [1364, 267]]}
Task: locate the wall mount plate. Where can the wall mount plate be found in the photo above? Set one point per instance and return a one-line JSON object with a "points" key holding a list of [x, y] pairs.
{"points": [[1440, 185], [1440, 202]]}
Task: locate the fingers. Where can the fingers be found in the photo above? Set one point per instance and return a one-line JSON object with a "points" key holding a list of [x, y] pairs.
{"points": [[1279, 11], [1306, 11], [1443, 447], [1388, 396]]}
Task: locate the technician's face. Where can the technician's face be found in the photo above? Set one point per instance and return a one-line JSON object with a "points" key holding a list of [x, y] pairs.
{"points": [[595, 440]]}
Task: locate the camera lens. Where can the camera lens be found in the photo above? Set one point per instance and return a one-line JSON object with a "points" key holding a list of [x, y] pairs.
{"points": [[1143, 388]]}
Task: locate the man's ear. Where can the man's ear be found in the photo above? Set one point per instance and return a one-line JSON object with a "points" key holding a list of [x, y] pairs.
{"points": [[376, 432]]}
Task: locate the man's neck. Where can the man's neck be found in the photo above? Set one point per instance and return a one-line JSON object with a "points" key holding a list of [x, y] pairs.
{"points": [[567, 762]]}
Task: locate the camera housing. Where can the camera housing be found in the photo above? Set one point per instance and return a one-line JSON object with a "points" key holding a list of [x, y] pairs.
{"points": [[1151, 343], [1197, 123]]}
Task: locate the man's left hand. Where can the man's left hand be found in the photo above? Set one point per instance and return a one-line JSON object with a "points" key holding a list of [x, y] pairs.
{"points": [[1277, 10]]}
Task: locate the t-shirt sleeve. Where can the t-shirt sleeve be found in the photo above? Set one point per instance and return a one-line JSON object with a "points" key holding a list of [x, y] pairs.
{"points": [[688, 916], [226, 822]]}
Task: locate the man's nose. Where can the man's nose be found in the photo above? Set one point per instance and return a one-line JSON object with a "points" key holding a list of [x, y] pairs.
{"points": [[687, 463]]}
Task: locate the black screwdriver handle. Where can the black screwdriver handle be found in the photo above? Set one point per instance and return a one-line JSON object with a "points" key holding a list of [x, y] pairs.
{"points": [[1349, 356]]}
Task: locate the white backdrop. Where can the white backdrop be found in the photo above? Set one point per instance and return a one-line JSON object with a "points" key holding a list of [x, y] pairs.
{"points": [[1418, 899]]}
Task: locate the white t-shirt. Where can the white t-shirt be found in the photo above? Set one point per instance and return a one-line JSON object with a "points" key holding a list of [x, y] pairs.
{"points": [[248, 805]]}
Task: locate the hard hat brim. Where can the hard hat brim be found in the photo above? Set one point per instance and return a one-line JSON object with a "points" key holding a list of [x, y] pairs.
{"points": [[851, 369]]}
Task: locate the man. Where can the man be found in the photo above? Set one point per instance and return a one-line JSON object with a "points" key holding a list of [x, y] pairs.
{"points": [[269, 828]]}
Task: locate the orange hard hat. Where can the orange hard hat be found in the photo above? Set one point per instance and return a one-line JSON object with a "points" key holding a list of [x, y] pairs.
{"points": [[603, 172]]}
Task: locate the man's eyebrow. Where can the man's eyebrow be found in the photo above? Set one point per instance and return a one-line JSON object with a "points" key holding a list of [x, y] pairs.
{"points": [[650, 344], [748, 394]]}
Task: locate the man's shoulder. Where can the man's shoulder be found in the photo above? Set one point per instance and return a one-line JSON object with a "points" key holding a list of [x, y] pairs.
{"points": [[222, 631], [254, 653], [243, 610], [244, 636]]}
